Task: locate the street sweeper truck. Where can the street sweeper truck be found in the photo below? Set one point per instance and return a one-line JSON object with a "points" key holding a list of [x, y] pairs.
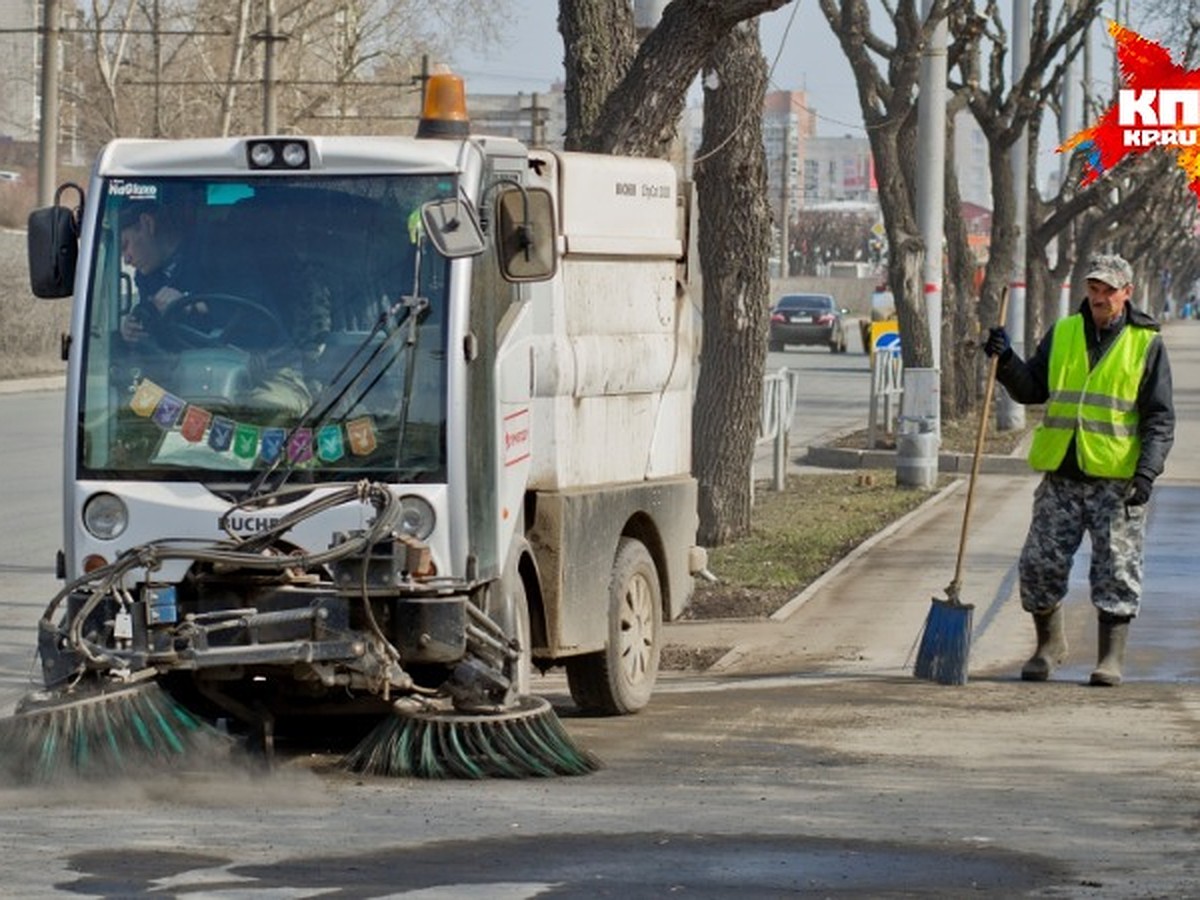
{"points": [[370, 426]]}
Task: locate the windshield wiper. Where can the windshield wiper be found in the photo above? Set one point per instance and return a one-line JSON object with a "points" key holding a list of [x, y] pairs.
{"points": [[409, 310]]}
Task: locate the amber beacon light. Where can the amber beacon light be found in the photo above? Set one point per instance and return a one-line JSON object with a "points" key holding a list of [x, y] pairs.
{"points": [[445, 112]]}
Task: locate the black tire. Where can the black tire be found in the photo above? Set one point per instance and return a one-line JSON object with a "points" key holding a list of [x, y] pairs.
{"points": [[619, 679], [775, 346]]}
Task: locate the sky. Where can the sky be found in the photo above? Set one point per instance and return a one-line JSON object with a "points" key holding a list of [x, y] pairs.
{"points": [[805, 56]]}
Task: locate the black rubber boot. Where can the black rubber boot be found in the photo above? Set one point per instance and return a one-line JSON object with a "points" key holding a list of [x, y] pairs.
{"points": [[1051, 646], [1113, 632]]}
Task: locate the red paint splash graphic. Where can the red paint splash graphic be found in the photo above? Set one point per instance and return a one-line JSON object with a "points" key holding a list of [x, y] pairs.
{"points": [[1147, 71]]}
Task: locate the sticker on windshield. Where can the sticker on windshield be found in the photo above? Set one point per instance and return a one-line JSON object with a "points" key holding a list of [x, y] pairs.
{"points": [[272, 443], [132, 190], [329, 443], [188, 423]]}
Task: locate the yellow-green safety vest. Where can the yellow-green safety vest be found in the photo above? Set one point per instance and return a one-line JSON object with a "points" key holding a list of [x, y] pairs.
{"points": [[1097, 406]]}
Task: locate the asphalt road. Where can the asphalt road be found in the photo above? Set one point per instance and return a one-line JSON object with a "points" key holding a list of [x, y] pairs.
{"points": [[834, 388], [813, 764]]}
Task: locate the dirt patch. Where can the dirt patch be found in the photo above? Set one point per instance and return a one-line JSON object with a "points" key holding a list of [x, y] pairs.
{"points": [[676, 658], [730, 601]]}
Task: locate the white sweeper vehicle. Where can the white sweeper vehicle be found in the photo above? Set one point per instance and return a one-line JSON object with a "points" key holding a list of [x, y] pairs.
{"points": [[384, 424]]}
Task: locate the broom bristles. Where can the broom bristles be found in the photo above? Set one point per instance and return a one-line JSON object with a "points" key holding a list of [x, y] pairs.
{"points": [[945, 643], [100, 734], [529, 741]]}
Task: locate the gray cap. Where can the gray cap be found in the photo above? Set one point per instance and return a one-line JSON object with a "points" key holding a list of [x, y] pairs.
{"points": [[1113, 270]]}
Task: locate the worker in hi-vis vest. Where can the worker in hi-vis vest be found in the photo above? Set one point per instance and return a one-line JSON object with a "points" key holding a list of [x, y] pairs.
{"points": [[1105, 380]]}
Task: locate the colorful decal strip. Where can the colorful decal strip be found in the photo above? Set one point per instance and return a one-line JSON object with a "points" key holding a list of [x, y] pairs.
{"points": [[247, 441]]}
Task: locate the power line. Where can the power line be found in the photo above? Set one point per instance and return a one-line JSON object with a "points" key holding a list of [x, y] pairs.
{"points": [[143, 31], [241, 82]]}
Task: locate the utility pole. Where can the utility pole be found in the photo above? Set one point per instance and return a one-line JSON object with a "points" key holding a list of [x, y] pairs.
{"points": [[157, 14], [537, 122], [931, 192], [270, 123], [269, 38], [785, 212], [48, 132], [424, 78], [1010, 415]]}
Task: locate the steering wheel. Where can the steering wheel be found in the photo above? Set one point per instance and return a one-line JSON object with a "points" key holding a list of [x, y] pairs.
{"points": [[199, 321]]}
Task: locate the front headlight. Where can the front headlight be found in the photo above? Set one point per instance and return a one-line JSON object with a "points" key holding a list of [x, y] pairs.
{"points": [[416, 517], [105, 516]]}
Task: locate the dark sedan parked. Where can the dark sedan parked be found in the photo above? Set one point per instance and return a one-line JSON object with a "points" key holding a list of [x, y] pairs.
{"points": [[807, 319]]}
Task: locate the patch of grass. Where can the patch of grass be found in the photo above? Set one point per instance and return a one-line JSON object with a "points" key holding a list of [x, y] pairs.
{"points": [[798, 534]]}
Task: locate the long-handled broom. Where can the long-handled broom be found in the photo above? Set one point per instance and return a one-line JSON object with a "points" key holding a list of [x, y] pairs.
{"points": [[436, 742], [946, 639]]}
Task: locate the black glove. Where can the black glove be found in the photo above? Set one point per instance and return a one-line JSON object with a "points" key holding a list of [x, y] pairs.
{"points": [[997, 343], [1139, 491]]}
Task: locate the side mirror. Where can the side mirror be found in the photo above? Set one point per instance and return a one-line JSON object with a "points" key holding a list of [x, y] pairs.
{"points": [[453, 227], [53, 244], [525, 234]]}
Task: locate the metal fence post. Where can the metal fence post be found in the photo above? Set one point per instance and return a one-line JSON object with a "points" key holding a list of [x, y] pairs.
{"points": [[775, 423]]}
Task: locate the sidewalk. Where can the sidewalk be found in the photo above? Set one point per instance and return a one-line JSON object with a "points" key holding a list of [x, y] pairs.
{"points": [[863, 616], [35, 383]]}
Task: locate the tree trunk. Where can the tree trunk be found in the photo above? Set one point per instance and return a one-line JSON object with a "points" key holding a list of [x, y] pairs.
{"points": [[233, 73], [960, 322], [735, 229], [600, 42]]}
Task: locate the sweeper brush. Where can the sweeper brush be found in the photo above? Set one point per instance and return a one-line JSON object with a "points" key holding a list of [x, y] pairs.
{"points": [[436, 742], [131, 729]]}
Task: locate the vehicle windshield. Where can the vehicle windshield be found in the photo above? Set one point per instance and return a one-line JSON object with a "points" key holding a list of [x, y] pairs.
{"points": [[806, 302], [236, 324]]}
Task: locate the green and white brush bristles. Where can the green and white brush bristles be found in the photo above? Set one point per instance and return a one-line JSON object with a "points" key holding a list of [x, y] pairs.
{"points": [[98, 735], [528, 742]]}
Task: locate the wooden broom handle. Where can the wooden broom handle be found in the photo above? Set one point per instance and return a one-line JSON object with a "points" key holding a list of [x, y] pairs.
{"points": [[983, 420]]}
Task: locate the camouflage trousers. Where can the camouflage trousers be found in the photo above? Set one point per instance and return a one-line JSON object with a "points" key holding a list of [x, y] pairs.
{"points": [[1063, 511]]}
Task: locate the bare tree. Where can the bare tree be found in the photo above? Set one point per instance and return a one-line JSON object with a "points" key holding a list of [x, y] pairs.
{"points": [[107, 30], [626, 97], [731, 174], [886, 70], [1009, 111], [819, 235], [183, 68], [886, 73]]}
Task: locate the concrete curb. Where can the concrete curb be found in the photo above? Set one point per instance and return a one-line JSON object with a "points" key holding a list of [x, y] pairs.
{"points": [[44, 383], [950, 463]]}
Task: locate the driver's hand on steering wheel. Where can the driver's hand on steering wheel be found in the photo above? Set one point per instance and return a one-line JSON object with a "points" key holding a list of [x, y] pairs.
{"points": [[133, 324]]}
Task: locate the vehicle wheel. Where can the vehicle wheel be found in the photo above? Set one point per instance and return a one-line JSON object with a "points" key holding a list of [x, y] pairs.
{"points": [[618, 680], [775, 346]]}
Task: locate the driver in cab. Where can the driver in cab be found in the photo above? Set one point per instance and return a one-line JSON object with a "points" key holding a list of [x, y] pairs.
{"points": [[154, 244], [151, 243]]}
